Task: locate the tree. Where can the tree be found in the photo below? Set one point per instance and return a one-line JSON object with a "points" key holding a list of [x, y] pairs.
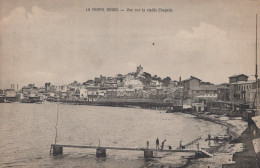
{"points": [[157, 78], [147, 75], [166, 81], [147, 78]]}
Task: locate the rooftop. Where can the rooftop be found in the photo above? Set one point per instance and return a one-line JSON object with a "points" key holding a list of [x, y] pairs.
{"points": [[234, 76], [190, 78]]}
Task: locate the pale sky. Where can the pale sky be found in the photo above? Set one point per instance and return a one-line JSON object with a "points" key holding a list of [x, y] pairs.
{"points": [[59, 42]]}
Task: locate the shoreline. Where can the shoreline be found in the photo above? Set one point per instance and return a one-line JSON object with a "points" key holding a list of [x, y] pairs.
{"points": [[218, 151]]}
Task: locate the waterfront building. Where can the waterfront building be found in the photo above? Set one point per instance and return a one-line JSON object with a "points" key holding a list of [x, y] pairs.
{"points": [[240, 90], [111, 93], [83, 92], [139, 93], [10, 93], [92, 93], [68, 96], [30, 89], [121, 92], [199, 107], [204, 92], [189, 85], [251, 94], [33, 98], [102, 93], [223, 93], [130, 93], [20, 95]]}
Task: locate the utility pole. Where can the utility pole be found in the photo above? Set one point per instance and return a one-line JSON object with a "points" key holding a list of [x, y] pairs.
{"points": [[256, 74]]}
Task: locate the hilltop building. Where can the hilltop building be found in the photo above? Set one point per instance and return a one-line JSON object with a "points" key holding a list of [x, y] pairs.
{"points": [[139, 71]]}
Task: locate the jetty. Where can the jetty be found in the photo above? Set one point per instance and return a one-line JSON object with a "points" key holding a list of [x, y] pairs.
{"points": [[57, 149]]}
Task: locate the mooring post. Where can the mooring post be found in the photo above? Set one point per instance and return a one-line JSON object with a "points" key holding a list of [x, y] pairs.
{"points": [[57, 150], [148, 153], [101, 152]]}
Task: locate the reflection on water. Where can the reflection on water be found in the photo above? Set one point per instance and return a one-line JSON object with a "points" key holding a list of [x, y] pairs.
{"points": [[28, 130]]}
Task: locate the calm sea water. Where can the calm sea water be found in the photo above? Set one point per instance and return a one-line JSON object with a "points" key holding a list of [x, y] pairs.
{"points": [[28, 130]]}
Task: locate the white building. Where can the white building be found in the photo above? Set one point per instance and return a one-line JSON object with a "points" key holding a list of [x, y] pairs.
{"points": [[83, 92]]}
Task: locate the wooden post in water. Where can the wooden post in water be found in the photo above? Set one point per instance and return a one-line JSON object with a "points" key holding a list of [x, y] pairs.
{"points": [[148, 153], [57, 150], [100, 152]]}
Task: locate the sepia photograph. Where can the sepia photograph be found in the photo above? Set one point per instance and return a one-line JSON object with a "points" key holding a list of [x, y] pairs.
{"points": [[129, 84]]}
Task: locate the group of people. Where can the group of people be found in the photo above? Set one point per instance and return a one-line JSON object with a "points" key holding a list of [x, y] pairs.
{"points": [[157, 142]]}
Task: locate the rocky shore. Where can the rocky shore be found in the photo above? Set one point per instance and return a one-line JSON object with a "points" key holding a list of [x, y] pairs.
{"points": [[223, 150]]}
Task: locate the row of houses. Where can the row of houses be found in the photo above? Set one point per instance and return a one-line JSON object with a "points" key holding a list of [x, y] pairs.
{"points": [[239, 90], [135, 85], [120, 86], [194, 89]]}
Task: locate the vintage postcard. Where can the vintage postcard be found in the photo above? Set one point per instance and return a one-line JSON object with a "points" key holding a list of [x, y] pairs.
{"points": [[129, 83]]}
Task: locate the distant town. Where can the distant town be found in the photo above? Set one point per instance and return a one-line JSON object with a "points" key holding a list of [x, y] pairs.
{"points": [[140, 86]]}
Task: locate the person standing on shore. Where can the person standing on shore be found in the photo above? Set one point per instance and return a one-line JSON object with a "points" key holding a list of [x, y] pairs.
{"points": [[157, 143], [163, 144], [198, 146], [147, 144]]}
